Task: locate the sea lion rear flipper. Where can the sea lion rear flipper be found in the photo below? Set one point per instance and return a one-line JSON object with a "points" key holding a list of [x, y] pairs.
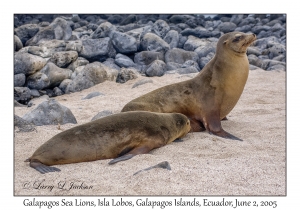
{"points": [[138, 150], [43, 168]]}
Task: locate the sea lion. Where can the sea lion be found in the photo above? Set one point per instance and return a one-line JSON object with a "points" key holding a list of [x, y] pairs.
{"points": [[120, 136], [212, 94]]}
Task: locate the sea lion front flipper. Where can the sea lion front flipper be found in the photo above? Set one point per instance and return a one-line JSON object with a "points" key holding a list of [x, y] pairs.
{"points": [[40, 167], [214, 126], [138, 150]]}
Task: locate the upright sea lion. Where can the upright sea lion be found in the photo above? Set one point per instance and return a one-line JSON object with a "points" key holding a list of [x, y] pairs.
{"points": [[120, 136], [212, 94]]}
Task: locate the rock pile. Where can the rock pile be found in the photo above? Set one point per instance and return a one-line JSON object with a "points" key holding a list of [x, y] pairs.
{"points": [[58, 54]]}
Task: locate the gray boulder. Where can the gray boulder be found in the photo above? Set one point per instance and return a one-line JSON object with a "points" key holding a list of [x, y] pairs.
{"points": [[63, 59], [126, 74], [92, 95], [124, 43], [19, 80], [23, 125], [17, 43], [194, 42], [156, 68], [97, 49], [180, 56], [26, 32], [147, 57], [110, 62], [50, 113], [22, 94], [55, 74], [160, 28], [141, 82], [103, 30], [124, 61], [80, 61], [227, 27], [59, 29], [172, 38], [152, 42], [92, 74], [38, 81], [102, 114], [64, 84], [27, 64]]}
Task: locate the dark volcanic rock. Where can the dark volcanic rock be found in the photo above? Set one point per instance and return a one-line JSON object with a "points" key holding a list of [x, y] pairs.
{"points": [[97, 49], [27, 64], [19, 80], [152, 42], [126, 74], [23, 125], [50, 113], [180, 56], [124, 43], [26, 32], [172, 38], [22, 94], [103, 30], [58, 29], [227, 27], [17, 43], [63, 59], [147, 57], [160, 28], [156, 68], [102, 114]]}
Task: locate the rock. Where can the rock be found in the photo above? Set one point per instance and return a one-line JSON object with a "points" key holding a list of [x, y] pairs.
{"points": [[75, 45], [180, 56], [190, 63], [55, 74], [258, 29], [92, 95], [163, 165], [255, 61], [180, 18], [276, 67], [182, 40], [141, 82], [147, 57], [57, 91], [204, 50], [97, 49], [200, 32], [26, 32], [124, 43], [102, 114], [124, 61], [156, 68], [129, 19], [63, 59], [172, 38], [58, 29], [152, 42], [23, 125], [227, 27], [115, 19], [103, 30], [27, 64], [193, 42], [50, 113], [64, 84], [173, 66], [126, 74], [17, 43], [275, 51], [17, 104], [110, 62], [49, 47], [35, 93], [236, 19], [19, 80], [253, 50], [160, 28], [80, 61], [38, 81], [22, 94], [92, 74]]}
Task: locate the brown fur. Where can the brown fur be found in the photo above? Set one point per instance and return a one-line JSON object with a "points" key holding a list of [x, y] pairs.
{"points": [[119, 136], [212, 94]]}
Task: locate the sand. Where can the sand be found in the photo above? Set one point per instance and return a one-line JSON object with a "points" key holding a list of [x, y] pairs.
{"points": [[202, 164]]}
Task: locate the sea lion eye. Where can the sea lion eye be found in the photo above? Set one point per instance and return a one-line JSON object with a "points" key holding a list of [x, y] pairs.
{"points": [[237, 38]]}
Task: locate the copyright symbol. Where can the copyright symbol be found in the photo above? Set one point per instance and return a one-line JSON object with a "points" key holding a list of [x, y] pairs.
{"points": [[26, 185]]}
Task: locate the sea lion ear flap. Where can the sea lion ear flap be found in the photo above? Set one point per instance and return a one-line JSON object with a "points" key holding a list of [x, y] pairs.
{"points": [[225, 42]]}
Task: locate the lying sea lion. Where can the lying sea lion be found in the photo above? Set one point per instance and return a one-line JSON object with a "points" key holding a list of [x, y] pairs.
{"points": [[211, 95], [120, 136]]}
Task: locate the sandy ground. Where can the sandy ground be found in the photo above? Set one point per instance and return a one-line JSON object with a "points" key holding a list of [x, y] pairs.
{"points": [[201, 165]]}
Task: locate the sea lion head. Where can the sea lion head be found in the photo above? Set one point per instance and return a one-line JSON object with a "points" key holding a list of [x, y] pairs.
{"points": [[238, 42], [182, 124]]}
